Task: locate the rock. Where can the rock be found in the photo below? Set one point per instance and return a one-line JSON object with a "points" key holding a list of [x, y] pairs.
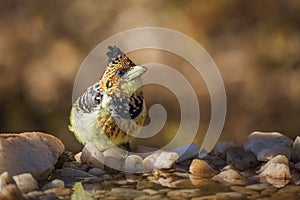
{"points": [[276, 171], [296, 178], [215, 161], [134, 164], [126, 193], [231, 177], [222, 147], [31, 152], [266, 145], [243, 190], [241, 159], [209, 197], [202, 169], [92, 156], [160, 160], [186, 152], [229, 196], [150, 191], [56, 183], [297, 166], [25, 182], [114, 158], [296, 150], [5, 179], [257, 187], [11, 192], [78, 157], [184, 193], [97, 171]]}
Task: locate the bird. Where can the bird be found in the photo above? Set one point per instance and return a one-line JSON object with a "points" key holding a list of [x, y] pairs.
{"points": [[112, 111]]}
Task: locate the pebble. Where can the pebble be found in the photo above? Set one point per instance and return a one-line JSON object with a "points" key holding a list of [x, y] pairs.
{"points": [[269, 190], [160, 160], [78, 157], [257, 187], [266, 145], [34, 194], [230, 176], [97, 171], [25, 182], [56, 183], [243, 190], [187, 193], [276, 171], [126, 192], [186, 152], [61, 191], [92, 156], [221, 148], [229, 195], [297, 166], [11, 192], [134, 164], [209, 197], [30, 152], [202, 169], [5, 179], [150, 191], [241, 159], [296, 150]]}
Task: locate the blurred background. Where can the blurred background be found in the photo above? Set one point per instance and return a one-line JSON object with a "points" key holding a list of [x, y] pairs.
{"points": [[255, 44]]}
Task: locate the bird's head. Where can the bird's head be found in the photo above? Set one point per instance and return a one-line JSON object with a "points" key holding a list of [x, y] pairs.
{"points": [[121, 73]]}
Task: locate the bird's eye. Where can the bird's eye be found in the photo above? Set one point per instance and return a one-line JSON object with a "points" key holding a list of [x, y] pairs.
{"points": [[120, 72]]}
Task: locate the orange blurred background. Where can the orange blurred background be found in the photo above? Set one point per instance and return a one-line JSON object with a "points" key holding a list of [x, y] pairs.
{"points": [[255, 44]]}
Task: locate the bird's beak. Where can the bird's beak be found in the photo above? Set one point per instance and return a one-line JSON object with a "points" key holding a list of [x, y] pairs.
{"points": [[134, 72]]}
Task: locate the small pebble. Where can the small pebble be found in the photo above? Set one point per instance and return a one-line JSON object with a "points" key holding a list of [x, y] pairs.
{"points": [[150, 191], [230, 176], [97, 171], [229, 195], [56, 183], [134, 164], [202, 169], [296, 150], [186, 193], [221, 148], [25, 182], [92, 156], [160, 160], [257, 187]]}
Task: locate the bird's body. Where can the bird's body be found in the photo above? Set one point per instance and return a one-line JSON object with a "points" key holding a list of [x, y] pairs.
{"points": [[112, 111]]}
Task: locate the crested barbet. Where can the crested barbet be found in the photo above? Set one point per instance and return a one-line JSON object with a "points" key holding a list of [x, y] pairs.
{"points": [[111, 111]]}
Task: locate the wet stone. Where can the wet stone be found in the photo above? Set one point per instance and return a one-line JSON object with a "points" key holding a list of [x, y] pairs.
{"points": [[92, 156], [241, 159], [160, 160], [97, 171], [243, 190], [209, 197], [229, 196], [221, 148], [150, 191], [231, 177], [269, 190], [257, 187], [296, 150], [187, 193], [202, 169], [134, 164], [56, 183], [276, 171], [126, 192], [186, 152], [25, 182], [266, 145]]}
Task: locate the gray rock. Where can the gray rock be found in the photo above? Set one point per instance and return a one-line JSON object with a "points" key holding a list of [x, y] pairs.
{"points": [[186, 152], [221, 148], [92, 156], [241, 159], [25, 182], [266, 145], [201, 169], [56, 183], [276, 171], [296, 150], [31, 152], [134, 164], [97, 171], [160, 160]]}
